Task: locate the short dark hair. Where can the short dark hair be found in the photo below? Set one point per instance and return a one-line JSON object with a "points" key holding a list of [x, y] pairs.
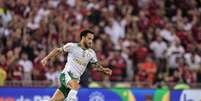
{"points": [[84, 33]]}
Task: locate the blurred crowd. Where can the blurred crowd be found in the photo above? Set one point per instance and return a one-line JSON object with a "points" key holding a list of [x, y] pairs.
{"points": [[145, 42]]}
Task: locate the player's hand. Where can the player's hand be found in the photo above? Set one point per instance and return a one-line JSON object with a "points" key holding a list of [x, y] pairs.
{"points": [[44, 62], [107, 71]]}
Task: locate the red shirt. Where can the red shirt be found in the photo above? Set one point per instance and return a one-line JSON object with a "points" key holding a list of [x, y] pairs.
{"points": [[17, 73], [183, 36], [141, 53], [149, 69]]}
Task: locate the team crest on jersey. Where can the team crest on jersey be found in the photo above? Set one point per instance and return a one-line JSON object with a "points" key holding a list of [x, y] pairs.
{"points": [[85, 54]]}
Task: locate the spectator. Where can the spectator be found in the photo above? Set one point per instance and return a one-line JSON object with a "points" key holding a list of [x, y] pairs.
{"points": [[115, 30], [52, 76], [17, 73], [3, 63], [10, 59], [3, 75], [186, 74], [143, 21], [168, 33], [118, 66], [27, 66], [6, 16], [140, 51], [149, 67], [174, 51], [159, 47], [125, 45], [38, 72], [193, 60]]}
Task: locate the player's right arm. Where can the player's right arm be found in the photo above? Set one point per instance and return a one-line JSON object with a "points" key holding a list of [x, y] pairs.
{"points": [[56, 51], [51, 55]]}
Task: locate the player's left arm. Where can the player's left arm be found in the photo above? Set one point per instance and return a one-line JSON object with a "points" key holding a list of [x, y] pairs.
{"points": [[98, 67]]}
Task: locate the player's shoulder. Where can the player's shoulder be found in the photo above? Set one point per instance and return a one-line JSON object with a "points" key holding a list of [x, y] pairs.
{"points": [[71, 44]]}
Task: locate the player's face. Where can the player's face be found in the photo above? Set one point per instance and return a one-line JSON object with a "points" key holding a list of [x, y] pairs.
{"points": [[88, 40]]}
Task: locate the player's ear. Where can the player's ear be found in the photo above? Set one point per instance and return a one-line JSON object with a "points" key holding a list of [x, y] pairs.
{"points": [[83, 37]]}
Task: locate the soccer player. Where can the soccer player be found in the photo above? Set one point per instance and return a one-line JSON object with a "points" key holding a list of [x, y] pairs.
{"points": [[79, 56]]}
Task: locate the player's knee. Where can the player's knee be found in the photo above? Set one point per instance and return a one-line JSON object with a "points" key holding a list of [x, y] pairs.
{"points": [[74, 84]]}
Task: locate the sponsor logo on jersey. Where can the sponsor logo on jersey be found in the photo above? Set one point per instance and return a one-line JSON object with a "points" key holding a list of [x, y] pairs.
{"points": [[80, 61]]}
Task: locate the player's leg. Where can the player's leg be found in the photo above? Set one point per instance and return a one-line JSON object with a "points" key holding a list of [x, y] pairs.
{"points": [[58, 96], [74, 86], [69, 86], [63, 90]]}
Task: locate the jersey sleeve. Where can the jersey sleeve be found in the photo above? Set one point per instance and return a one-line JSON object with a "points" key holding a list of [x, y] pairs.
{"points": [[68, 47], [94, 58]]}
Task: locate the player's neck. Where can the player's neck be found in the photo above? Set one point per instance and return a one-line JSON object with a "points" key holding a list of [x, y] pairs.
{"points": [[81, 44]]}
